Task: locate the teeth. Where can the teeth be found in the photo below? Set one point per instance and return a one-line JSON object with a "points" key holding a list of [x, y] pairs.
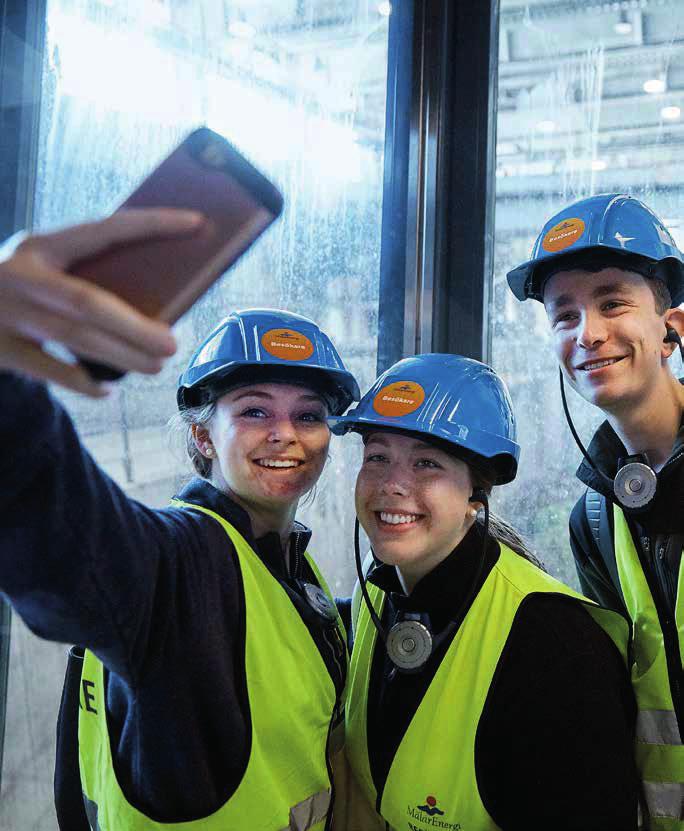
{"points": [[278, 463], [599, 364], [397, 519]]}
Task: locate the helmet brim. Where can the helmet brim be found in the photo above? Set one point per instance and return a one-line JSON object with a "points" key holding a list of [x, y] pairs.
{"points": [[503, 460]]}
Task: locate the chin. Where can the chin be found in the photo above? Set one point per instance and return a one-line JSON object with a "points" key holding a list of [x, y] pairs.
{"points": [[391, 555], [609, 399]]}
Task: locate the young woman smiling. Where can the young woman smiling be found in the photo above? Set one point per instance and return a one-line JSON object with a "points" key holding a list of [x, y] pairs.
{"points": [[211, 685], [483, 694]]}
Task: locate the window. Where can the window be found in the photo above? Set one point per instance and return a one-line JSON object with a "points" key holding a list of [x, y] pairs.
{"points": [[590, 100], [300, 88]]}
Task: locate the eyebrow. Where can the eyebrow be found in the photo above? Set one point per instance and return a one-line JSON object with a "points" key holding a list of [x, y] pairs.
{"points": [[616, 287], [417, 445], [305, 396]]}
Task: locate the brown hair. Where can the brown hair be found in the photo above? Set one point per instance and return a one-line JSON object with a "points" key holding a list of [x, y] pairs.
{"points": [[661, 295], [655, 275], [500, 530]]}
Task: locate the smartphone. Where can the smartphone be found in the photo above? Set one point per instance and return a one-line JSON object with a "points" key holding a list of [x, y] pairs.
{"points": [[164, 277]]}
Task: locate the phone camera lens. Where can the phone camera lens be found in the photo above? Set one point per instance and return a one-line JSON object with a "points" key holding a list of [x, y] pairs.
{"points": [[213, 155]]}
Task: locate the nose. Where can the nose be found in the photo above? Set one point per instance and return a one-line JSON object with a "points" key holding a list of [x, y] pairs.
{"points": [[591, 331], [283, 432], [396, 482]]}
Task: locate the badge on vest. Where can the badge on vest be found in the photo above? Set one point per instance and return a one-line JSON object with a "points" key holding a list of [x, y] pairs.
{"points": [[428, 815], [319, 601]]}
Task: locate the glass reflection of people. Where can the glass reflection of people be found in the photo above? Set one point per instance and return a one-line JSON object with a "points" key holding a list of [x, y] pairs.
{"points": [[483, 693], [611, 279], [210, 690]]}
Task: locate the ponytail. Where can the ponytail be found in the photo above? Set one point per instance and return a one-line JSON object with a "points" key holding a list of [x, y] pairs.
{"points": [[503, 532]]}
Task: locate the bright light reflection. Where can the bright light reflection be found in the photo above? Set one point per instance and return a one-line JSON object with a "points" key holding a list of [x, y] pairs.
{"points": [[546, 126], [385, 8], [671, 113], [654, 85], [158, 86]]}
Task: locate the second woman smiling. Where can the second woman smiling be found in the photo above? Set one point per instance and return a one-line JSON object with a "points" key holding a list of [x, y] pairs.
{"points": [[482, 694]]}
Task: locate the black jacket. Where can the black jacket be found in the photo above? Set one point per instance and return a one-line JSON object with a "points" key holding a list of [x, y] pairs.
{"points": [[658, 535], [156, 594], [554, 745]]}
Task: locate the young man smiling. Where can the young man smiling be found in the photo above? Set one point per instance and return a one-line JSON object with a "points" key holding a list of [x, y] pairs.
{"points": [[611, 279]]}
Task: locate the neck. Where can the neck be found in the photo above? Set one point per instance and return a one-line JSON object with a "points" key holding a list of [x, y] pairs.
{"points": [[651, 426], [265, 519], [410, 574]]}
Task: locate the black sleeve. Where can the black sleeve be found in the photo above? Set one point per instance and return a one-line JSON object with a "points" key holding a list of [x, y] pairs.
{"points": [[80, 561], [555, 742], [597, 577]]}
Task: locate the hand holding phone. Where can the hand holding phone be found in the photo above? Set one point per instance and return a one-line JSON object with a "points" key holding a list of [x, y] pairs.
{"points": [[40, 301], [164, 277]]}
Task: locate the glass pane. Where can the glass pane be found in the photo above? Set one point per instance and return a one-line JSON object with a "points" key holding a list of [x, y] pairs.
{"points": [[575, 118], [299, 86]]}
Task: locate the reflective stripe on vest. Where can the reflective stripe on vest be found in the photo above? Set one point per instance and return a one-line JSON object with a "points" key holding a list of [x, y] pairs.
{"points": [[286, 785], [659, 749], [432, 781]]}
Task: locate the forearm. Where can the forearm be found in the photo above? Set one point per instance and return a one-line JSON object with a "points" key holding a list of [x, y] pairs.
{"points": [[74, 550]]}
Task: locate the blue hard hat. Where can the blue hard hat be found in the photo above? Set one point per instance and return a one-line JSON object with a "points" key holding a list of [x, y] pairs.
{"points": [[260, 345], [612, 228], [449, 398]]}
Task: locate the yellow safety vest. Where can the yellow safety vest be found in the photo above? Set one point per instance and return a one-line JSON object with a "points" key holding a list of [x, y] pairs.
{"points": [[292, 704], [660, 753], [432, 782]]}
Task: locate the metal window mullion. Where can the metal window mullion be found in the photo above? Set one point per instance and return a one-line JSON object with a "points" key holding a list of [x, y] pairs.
{"points": [[424, 156], [415, 203], [444, 269], [464, 200]]}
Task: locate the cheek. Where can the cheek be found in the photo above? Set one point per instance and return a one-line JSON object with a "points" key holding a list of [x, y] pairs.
{"points": [[317, 446], [234, 443], [361, 492], [562, 346], [447, 503]]}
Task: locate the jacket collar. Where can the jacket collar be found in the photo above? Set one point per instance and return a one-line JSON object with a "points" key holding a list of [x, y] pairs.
{"points": [[665, 515], [441, 593], [200, 492]]}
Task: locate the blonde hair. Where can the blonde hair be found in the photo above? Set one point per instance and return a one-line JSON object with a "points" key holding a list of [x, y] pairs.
{"points": [[183, 422]]}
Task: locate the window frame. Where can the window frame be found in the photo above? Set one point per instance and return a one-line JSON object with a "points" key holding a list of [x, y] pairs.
{"points": [[437, 247], [22, 40]]}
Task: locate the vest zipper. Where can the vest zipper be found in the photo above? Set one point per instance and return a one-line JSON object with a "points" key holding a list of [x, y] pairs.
{"points": [[667, 626], [666, 576], [296, 565]]}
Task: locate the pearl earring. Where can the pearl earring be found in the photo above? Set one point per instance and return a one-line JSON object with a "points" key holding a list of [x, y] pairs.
{"points": [[209, 451]]}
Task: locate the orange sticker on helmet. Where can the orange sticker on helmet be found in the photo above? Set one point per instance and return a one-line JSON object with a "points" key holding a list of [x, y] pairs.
{"points": [[287, 344], [563, 235], [399, 398]]}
